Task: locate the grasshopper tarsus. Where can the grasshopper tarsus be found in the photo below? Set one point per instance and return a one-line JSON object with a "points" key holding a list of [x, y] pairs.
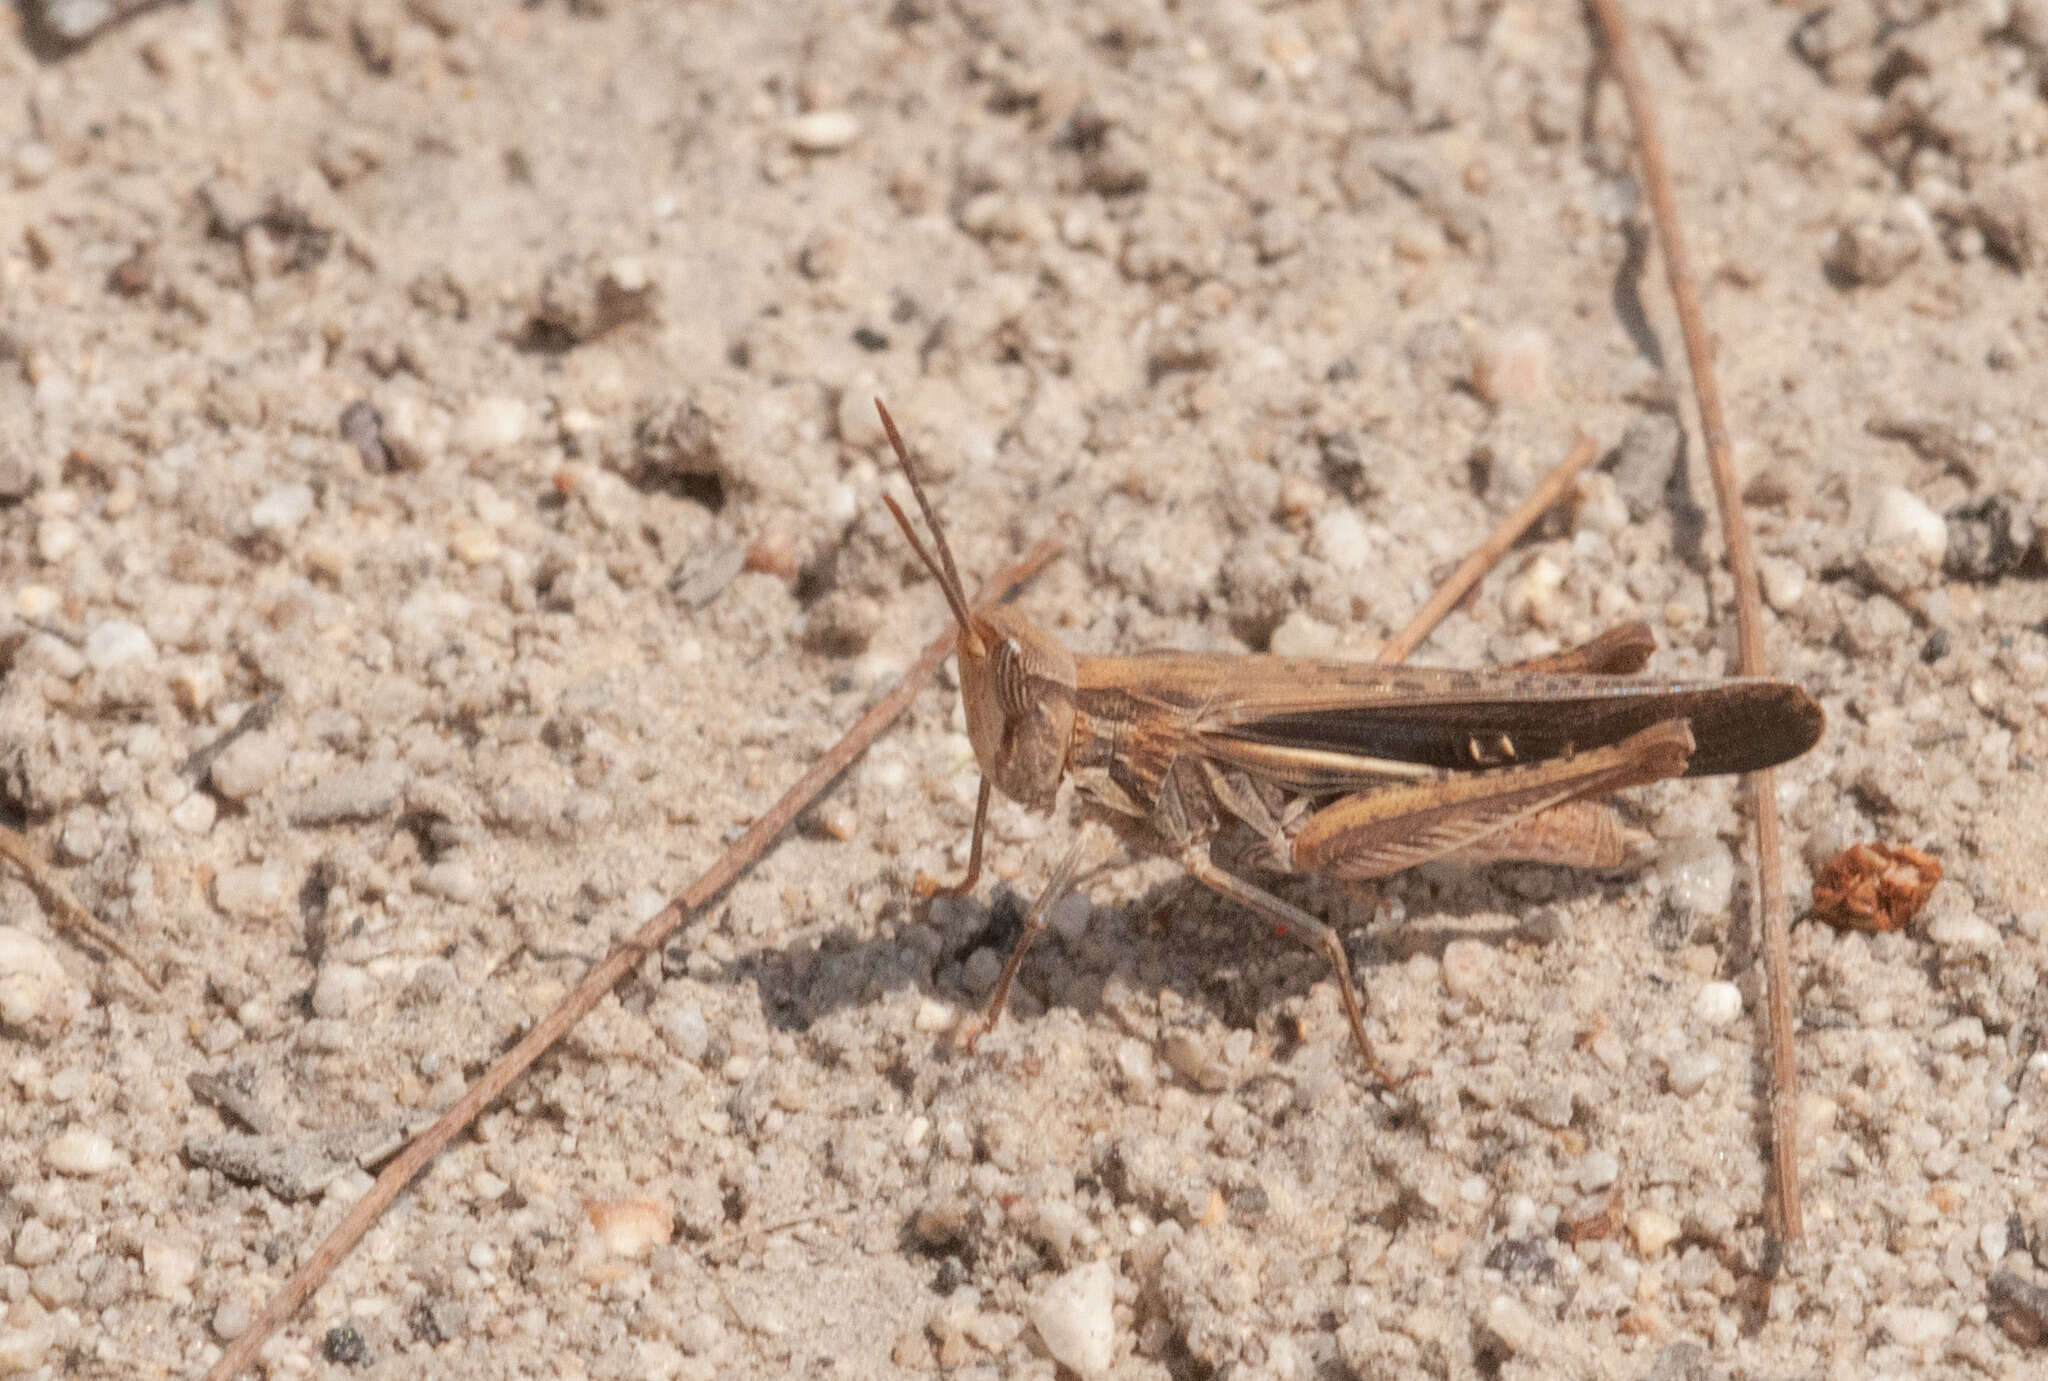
{"points": [[1335, 768]]}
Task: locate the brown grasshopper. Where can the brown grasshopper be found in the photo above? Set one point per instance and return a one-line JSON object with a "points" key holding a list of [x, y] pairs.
{"points": [[1344, 769]]}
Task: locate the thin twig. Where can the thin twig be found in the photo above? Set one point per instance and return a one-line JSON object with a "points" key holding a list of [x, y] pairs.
{"points": [[1483, 558], [65, 911], [599, 981], [1748, 607]]}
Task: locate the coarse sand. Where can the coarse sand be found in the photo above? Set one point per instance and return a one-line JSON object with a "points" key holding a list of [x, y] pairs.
{"points": [[440, 504]]}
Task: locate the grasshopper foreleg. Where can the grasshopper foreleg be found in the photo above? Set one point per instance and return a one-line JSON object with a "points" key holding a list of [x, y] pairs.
{"points": [[1056, 887], [930, 887]]}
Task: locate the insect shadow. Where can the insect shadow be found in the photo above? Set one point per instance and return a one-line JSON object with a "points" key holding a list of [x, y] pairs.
{"points": [[1173, 937]]}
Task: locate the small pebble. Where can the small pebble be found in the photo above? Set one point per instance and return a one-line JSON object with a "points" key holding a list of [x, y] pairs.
{"points": [[1070, 916], [1549, 1105], [885, 775], [1904, 540], [700, 1334], [1961, 1036], [493, 423], [1872, 250], [1468, 967], [835, 822], [36, 602], [367, 792], [197, 685], [475, 545], [1535, 598], [1699, 877], [82, 838], [935, 1015], [168, 1267], [339, 991], [36, 1243], [26, 1339], [1610, 1050], [991, 1331], [1073, 1317], [1597, 1170], [1342, 540], [982, 969], [1645, 461], [1688, 1073], [1302, 634], [1911, 1326], [45, 652], [248, 765], [1509, 1320], [195, 814], [822, 131], [1515, 369], [231, 1319], [1134, 1062], [1652, 1231], [860, 426], [1192, 1061], [630, 1228], [1994, 1240], [253, 891], [1601, 509], [413, 434], [33, 159], [117, 642], [1784, 583], [81, 1152], [36, 998], [282, 509], [56, 538], [452, 880], [1717, 1004], [1959, 930]]}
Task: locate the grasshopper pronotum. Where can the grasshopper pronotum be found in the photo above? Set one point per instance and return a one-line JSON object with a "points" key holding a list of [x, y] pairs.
{"points": [[1345, 769]]}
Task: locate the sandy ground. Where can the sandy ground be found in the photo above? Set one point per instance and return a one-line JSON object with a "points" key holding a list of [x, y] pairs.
{"points": [[439, 505]]}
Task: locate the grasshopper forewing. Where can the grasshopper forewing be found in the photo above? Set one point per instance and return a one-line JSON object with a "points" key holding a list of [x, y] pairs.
{"points": [[1344, 769]]}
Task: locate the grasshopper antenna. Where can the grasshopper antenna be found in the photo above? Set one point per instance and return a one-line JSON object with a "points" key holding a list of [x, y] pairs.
{"points": [[947, 575]]}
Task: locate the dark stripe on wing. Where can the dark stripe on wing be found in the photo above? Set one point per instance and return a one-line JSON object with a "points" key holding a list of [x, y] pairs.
{"points": [[1740, 726]]}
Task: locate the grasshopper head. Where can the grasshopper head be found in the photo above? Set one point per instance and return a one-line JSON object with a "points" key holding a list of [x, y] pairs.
{"points": [[1017, 684], [1016, 680]]}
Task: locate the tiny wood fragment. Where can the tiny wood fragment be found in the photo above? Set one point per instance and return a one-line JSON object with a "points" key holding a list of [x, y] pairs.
{"points": [[1875, 887], [1597, 1224]]}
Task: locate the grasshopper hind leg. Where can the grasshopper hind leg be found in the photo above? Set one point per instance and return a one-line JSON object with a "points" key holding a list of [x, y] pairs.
{"points": [[1293, 920]]}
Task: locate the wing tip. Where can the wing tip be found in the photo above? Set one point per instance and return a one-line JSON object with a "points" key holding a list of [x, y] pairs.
{"points": [[1777, 722]]}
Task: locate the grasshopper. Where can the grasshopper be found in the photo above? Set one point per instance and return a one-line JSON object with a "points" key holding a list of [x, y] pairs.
{"points": [[1343, 769]]}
